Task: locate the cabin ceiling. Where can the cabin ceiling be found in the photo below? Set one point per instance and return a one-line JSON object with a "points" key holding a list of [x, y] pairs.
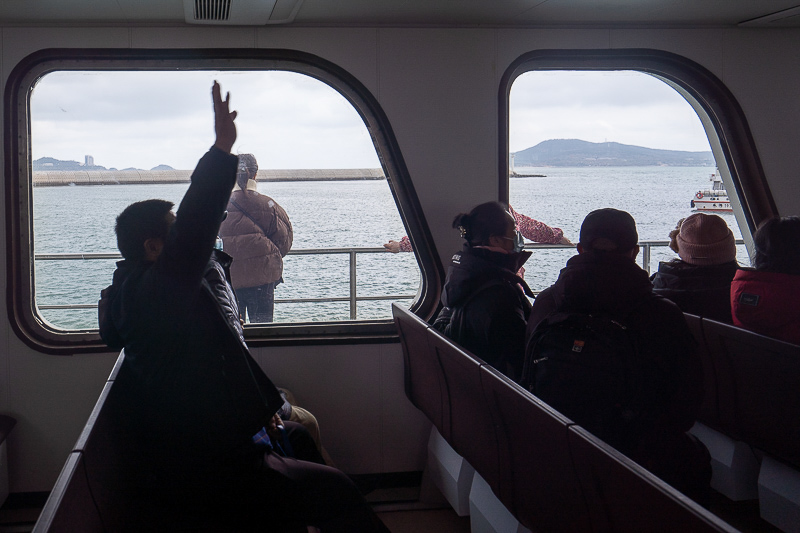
{"points": [[502, 13]]}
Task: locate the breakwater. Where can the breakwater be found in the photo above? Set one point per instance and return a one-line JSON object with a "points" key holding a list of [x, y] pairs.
{"points": [[53, 178]]}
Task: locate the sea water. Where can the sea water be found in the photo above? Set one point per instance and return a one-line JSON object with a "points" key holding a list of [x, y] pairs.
{"points": [[328, 214]]}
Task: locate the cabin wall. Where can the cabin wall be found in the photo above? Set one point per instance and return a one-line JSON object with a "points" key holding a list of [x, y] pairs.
{"points": [[439, 88]]}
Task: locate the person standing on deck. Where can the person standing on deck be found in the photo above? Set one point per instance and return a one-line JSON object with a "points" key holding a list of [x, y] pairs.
{"points": [[257, 233]]}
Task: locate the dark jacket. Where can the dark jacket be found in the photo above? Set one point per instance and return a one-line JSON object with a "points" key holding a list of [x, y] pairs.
{"points": [[615, 285], [195, 395], [699, 290], [486, 307], [257, 244], [767, 303]]}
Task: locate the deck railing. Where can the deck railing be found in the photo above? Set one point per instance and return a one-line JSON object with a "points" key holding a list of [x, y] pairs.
{"points": [[353, 298]]}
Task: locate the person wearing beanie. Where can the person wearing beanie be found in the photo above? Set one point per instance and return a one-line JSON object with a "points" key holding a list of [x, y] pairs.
{"points": [[699, 282], [257, 233]]}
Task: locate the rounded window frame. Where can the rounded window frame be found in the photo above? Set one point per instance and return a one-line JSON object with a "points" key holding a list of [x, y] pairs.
{"points": [[36, 333], [724, 119]]}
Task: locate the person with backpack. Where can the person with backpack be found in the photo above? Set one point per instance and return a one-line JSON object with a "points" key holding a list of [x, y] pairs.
{"points": [[617, 359], [485, 305]]}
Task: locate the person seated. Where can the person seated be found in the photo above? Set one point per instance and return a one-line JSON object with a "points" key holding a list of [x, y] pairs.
{"points": [[661, 403], [200, 410], [485, 308], [700, 281], [766, 299]]}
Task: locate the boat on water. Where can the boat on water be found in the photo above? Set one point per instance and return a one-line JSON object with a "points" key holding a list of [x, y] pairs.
{"points": [[713, 199]]}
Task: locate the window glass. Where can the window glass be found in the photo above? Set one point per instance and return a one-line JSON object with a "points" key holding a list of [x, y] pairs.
{"points": [[583, 140], [101, 140]]}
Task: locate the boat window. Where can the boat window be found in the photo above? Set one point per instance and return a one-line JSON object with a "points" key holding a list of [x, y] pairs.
{"points": [[580, 139], [102, 137]]}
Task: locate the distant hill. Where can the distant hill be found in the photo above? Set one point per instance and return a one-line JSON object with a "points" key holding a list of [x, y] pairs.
{"points": [[51, 164], [577, 153]]}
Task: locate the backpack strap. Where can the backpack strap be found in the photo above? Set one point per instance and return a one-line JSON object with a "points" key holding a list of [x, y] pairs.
{"points": [[443, 323]]}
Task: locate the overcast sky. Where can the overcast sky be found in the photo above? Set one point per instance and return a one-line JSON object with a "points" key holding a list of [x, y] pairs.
{"points": [[141, 119]]}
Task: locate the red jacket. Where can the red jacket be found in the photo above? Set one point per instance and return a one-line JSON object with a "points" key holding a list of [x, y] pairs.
{"points": [[767, 303]]}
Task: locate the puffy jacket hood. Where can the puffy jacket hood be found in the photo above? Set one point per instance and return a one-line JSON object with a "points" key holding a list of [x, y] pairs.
{"points": [[473, 267]]}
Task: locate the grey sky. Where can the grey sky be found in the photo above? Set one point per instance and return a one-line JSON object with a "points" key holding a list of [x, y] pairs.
{"points": [[625, 107], [143, 119]]}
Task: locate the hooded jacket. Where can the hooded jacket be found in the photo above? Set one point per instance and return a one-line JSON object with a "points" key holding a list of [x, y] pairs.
{"points": [[486, 307], [194, 394], [767, 303], [702, 290], [615, 285], [257, 233]]}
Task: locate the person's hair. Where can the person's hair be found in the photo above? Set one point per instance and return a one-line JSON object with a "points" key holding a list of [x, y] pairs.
{"points": [[247, 166], [777, 244], [484, 221], [140, 221]]}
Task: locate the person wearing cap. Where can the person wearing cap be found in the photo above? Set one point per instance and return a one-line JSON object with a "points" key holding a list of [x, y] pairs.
{"points": [[257, 233], [766, 299], [699, 282], [603, 278]]}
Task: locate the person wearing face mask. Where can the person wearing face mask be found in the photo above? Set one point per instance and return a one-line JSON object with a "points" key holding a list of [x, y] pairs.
{"points": [[485, 305]]}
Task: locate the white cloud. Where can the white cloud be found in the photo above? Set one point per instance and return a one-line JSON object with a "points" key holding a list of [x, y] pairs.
{"points": [[289, 120], [143, 119]]}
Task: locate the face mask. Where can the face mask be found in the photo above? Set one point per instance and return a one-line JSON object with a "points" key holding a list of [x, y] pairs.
{"points": [[218, 244], [519, 242]]}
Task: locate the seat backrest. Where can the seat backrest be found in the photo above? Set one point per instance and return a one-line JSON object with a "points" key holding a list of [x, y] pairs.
{"points": [[538, 483], [425, 384], [472, 433], [70, 506], [762, 404], [624, 497], [709, 409]]}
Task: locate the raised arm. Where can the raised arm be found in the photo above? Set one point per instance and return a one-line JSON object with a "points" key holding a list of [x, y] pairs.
{"points": [[404, 245], [194, 232], [224, 127], [538, 231]]}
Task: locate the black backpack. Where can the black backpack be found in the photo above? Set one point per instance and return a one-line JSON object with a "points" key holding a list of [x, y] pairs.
{"points": [[589, 368]]}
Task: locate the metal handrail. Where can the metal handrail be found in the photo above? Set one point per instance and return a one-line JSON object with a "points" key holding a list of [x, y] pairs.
{"points": [[353, 297], [645, 247]]}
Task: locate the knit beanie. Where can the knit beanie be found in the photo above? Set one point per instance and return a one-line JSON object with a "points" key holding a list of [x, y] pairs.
{"points": [[706, 240]]}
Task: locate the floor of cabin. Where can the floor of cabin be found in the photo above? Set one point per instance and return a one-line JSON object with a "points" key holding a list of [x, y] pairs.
{"points": [[400, 510]]}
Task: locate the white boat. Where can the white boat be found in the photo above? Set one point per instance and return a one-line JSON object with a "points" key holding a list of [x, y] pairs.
{"points": [[714, 199]]}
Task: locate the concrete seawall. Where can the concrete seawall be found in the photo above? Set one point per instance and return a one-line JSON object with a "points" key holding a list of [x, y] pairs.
{"points": [[132, 177]]}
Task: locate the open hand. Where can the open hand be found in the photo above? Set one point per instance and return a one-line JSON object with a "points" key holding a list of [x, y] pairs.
{"points": [[224, 127], [392, 246]]}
